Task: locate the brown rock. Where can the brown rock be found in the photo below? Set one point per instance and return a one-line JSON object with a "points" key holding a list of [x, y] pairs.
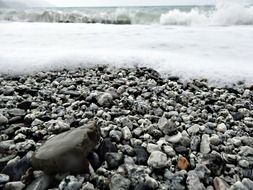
{"points": [[67, 151], [183, 163]]}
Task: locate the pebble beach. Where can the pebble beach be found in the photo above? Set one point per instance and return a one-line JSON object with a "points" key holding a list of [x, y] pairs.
{"points": [[121, 129]]}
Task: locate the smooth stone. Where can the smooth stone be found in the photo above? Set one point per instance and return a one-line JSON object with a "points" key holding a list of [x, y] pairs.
{"points": [[193, 129], [17, 168], [141, 155], [25, 105], [94, 160], [114, 159], [238, 116], [67, 151], [126, 133], [17, 112], [220, 184], [157, 160], [205, 144], [4, 178], [118, 182], [3, 120], [215, 140], [248, 141], [221, 128], [16, 185], [246, 151], [105, 99], [153, 147], [41, 183], [169, 151], [174, 139], [106, 146]]}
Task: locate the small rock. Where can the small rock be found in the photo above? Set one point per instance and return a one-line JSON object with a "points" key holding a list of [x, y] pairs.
{"points": [[205, 144], [247, 183], [16, 169], [105, 99], [94, 160], [214, 163], [3, 120], [238, 116], [25, 105], [193, 181], [4, 178], [17, 185], [181, 150], [221, 128], [118, 182], [141, 155], [151, 182], [183, 163], [220, 184], [195, 143], [106, 146], [157, 160], [167, 127], [17, 112], [127, 135], [114, 159], [193, 129], [174, 139]]}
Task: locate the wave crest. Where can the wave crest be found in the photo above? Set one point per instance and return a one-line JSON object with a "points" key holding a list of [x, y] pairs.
{"points": [[222, 14]]}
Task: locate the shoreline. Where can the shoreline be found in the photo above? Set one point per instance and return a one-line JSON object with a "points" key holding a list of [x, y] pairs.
{"points": [[154, 132]]}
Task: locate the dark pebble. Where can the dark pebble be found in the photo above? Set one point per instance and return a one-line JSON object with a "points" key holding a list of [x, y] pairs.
{"points": [[181, 150], [141, 155], [17, 169], [25, 105], [94, 160], [106, 146], [114, 160]]}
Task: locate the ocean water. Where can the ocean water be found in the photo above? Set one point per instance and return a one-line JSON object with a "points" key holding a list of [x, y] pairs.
{"points": [[213, 42]]}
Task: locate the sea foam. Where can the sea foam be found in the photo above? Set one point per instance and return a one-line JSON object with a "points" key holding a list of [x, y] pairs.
{"points": [[221, 54]]}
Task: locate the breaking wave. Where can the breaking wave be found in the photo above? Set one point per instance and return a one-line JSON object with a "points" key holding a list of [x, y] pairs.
{"points": [[222, 14]]}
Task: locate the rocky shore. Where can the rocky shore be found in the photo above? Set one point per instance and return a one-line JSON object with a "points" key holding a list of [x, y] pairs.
{"points": [[123, 129]]}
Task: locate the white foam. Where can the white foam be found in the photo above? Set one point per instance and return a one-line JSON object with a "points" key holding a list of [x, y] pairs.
{"points": [[224, 14], [221, 54]]}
